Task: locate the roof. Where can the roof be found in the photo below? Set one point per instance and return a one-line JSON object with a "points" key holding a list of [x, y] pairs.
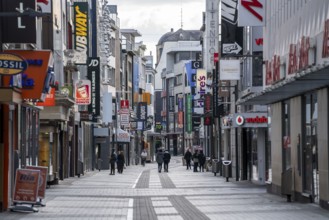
{"points": [[181, 35]]}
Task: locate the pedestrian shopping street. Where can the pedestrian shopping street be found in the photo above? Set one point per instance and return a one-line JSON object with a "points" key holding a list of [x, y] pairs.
{"points": [[143, 193]]}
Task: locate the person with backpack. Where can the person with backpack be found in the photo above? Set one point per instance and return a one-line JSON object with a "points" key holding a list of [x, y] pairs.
{"points": [[143, 157], [166, 160], [113, 159]]}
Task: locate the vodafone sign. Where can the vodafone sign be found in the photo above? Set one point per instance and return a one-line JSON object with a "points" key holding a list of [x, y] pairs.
{"points": [[250, 120]]}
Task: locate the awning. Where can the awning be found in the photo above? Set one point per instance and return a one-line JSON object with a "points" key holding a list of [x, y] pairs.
{"points": [[304, 81], [10, 95]]}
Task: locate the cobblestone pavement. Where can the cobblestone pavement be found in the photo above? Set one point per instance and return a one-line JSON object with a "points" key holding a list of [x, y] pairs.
{"points": [[142, 193]]}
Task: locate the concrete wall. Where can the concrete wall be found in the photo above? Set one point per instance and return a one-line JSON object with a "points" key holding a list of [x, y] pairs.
{"points": [[276, 146]]}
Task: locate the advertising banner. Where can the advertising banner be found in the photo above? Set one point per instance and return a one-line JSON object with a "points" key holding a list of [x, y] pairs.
{"points": [[251, 13], [26, 186], [42, 179], [82, 90], [189, 114], [94, 76], [232, 36], [142, 111], [18, 30], [212, 33], [81, 28], [201, 78], [36, 78], [229, 70], [123, 136], [180, 119], [49, 100]]}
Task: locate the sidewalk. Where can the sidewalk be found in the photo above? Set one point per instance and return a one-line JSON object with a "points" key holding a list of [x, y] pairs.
{"points": [[142, 193]]}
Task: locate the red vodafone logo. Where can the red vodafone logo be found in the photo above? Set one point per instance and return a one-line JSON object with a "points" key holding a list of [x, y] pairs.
{"points": [[239, 120]]}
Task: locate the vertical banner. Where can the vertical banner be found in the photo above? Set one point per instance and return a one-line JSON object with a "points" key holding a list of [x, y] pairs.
{"points": [[208, 109], [135, 81], [107, 107], [216, 89], [80, 23], [26, 186], [180, 114], [82, 92], [94, 77], [189, 114], [212, 33], [142, 111], [18, 29], [201, 78], [232, 36]]}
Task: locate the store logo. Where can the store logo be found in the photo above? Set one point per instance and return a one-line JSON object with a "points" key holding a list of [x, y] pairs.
{"points": [[239, 120]]}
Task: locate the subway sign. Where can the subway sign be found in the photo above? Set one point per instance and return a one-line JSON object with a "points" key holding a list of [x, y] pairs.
{"points": [[11, 64], [250, 120]]}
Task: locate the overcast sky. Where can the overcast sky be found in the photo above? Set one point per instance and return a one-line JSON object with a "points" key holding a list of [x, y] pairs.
{"points": [[154, 18]]}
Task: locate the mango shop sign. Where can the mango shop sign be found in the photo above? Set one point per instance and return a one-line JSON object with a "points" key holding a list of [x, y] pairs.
{"points": [[11, 64]]}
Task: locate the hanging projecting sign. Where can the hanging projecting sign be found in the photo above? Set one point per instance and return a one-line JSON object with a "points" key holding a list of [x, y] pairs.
{"points": [[82, 92], [229, 70], [81, 29], [17, 29], [232, 36], [251, 13], [11, 64], [94, 76]]}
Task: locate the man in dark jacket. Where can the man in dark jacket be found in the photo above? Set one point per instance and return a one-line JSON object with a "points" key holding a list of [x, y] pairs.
{"points": [[202, 160], [159, 159], [166, 160], [187, 157], [113, 159]]}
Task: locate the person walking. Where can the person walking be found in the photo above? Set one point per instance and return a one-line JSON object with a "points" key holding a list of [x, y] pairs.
{"points": [[113, 159], [187, 157], [195, 158], [159, 159], [166, 160], [120, 162], [202, 160], [143, 156], [99, 164]]}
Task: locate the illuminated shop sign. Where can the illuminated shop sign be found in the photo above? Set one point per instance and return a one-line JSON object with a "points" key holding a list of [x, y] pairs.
{"points": [[250, 120], [11, 64]]}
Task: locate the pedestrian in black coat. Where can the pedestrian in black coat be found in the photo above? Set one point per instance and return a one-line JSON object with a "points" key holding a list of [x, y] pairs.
{"points": [[113, 159], [187, 157], [195, 158], [166, 160], [202, 160], [120, 162]]}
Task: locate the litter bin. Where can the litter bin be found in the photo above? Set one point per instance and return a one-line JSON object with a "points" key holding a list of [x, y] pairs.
{"points": [[227, 169], [215, 166]]}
